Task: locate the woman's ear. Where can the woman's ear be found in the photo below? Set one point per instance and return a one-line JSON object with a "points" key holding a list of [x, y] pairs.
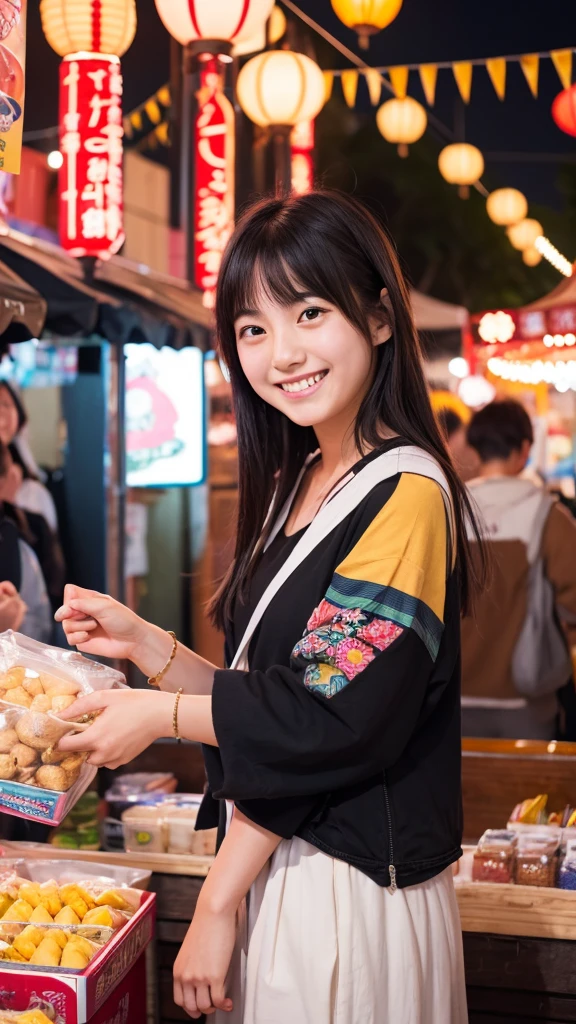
{"points": [[383, 328]]}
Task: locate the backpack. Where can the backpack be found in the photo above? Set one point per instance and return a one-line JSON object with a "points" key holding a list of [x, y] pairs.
{"points": [[541, 662]]}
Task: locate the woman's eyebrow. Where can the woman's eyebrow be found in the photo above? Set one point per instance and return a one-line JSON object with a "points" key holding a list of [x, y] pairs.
{"points": [[247, 312]]}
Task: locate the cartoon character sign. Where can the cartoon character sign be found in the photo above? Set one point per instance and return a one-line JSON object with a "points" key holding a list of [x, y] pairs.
{"points": [[12, 55]]}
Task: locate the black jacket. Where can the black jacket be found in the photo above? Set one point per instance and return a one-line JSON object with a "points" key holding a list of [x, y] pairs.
{"points": [[350, 736]]}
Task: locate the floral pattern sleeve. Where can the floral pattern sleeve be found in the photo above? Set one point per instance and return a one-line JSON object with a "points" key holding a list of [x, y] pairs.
{"points": [[339, 643]]}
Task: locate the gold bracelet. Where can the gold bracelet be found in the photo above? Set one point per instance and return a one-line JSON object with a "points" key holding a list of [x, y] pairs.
{"points": [[175, 716], [157, 679]]}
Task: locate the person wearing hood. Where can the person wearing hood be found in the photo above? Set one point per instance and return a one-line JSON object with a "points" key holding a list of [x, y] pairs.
{"points": [[532, 544]]}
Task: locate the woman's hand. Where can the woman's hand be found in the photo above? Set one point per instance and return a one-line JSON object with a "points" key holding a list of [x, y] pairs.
{"points": [[202, 964], [130, 721], [97, 624]]}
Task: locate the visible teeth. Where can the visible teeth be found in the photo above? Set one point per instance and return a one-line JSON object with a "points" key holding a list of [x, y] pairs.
{"points": [[301, 385]]}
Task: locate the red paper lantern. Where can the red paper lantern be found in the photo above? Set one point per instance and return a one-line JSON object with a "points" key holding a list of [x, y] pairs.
{"points": [[91, 143], [564, 110]]}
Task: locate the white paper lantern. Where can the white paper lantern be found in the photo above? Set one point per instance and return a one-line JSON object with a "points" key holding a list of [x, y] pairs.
{"points": [[102, 26], [280, 87], [230, 21]]}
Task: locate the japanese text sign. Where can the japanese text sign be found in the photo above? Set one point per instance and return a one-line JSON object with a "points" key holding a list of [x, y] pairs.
{"points": [[214, 178], [12, 58], [91, 143]]}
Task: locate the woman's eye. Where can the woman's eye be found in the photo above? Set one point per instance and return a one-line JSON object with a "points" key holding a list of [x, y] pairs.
{"points": [[312, 313], [251, 332]]}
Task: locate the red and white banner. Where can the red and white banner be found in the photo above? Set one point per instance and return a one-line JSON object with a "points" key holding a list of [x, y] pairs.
{"points": [[90, 181], [214, 178]]}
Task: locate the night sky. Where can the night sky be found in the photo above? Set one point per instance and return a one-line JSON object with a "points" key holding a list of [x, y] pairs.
{"points": [[423, 31]]}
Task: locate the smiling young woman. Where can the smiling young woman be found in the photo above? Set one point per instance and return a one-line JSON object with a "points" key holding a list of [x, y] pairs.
{"points": [[332, 740]]}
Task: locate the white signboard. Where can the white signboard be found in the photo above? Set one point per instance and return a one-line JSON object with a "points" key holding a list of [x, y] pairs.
{"points": [[165, 417]]}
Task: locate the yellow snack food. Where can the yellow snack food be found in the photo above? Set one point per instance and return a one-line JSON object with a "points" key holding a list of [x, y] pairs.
{"points": [[25, 756], [79, 942], [51, 776], [50, 898], [71, 895], [6, 902], [33, 933], [99, 915], [19, 911], [33, 686], [12, 678], [30, 891], [112, 898], [8, 766], [8, 739], [42, 703], [33, 1017], [73, 957], [62, 702], [59, 936], [12, 954], [67, 916], [41, 916], [24, 946], [47, 954], [58, 687], [19, 696]]}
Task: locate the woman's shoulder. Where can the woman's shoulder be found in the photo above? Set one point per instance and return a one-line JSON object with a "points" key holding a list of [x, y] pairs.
{"points": [[35, 497]]}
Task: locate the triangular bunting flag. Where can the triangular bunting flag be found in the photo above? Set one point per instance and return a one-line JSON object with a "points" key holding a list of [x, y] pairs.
{"points": [[374, 83], [562, 60], [163, 95], [136, 119], [350, 86], [428, 76], [153, 111], [399, 79], [463, 75], [496, 68], [162, 133], [530, 64], [328, 83]]}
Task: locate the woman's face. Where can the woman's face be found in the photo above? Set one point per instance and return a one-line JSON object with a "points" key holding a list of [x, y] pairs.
{"points": [[307, 360], [8, 417]]}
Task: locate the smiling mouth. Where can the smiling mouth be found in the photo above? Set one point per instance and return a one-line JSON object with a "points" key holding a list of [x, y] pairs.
{"points": [[297, 386]]}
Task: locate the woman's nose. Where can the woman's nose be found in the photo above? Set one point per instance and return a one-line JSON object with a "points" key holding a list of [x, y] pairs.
{"points": [[287, 351]]}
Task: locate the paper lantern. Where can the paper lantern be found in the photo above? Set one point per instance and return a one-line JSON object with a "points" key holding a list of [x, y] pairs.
{"points": [[461, 164], [274, 29], [229, 21], [280, 87], [564, 110], [366, 17], [506, 206], [531, 256], [402, 121], [524, 234], [92, 26]]}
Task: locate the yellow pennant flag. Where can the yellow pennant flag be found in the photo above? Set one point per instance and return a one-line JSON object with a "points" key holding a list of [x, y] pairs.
{"points": [[530, 64], [463, 75], [562, 60], [496, 68], [163, 95], [162, 133], [328, 84], [350, 86], [153, 111], [374, 83], [399, 79], [428, 76], [136, 119]]}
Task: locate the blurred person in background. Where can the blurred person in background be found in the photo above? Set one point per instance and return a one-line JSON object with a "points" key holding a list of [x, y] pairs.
{"points": [[507, 686], [30, 494], [464, 457]]}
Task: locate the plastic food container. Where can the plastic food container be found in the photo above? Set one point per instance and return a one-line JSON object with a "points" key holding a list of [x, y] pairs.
{"points": [[167, 825], [537, 859], [36, 683], [495, 856]]}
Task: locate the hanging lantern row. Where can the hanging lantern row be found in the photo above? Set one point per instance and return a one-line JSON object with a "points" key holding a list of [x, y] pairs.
{"points": [[366, 17], [231, 21], [506, 206], [280, 88], [461, 164], [402, 121]]}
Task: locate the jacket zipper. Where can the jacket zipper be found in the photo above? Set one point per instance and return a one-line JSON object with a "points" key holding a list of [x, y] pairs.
{"points": [[391, 868]]}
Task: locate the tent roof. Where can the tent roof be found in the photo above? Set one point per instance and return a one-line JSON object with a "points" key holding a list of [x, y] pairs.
{"points": [[564, 294], [22, 309], [434, 315]]}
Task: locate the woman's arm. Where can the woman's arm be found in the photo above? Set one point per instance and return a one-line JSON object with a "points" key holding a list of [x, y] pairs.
{"points": [[202, 964]]}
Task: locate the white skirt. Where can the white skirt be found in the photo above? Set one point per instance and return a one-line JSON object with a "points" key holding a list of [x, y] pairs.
{"points": [[321, 943]]}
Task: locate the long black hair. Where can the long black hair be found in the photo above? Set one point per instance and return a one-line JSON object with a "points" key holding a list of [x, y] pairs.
{"points": [[325, 244]]}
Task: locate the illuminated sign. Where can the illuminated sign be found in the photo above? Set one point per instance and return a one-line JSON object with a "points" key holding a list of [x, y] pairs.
{"points": [[165, 417], [302, 157], [12, 60], [91, 143], [214, 178]]}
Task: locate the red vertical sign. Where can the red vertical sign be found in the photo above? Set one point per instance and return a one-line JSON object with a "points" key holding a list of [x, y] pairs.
{"points": [[91, 131], [302, 156], [214, 178]]}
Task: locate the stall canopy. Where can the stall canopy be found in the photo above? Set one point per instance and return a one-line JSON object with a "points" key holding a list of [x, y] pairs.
{"points": [[434, 315], [22, 309], [122, 301]]}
